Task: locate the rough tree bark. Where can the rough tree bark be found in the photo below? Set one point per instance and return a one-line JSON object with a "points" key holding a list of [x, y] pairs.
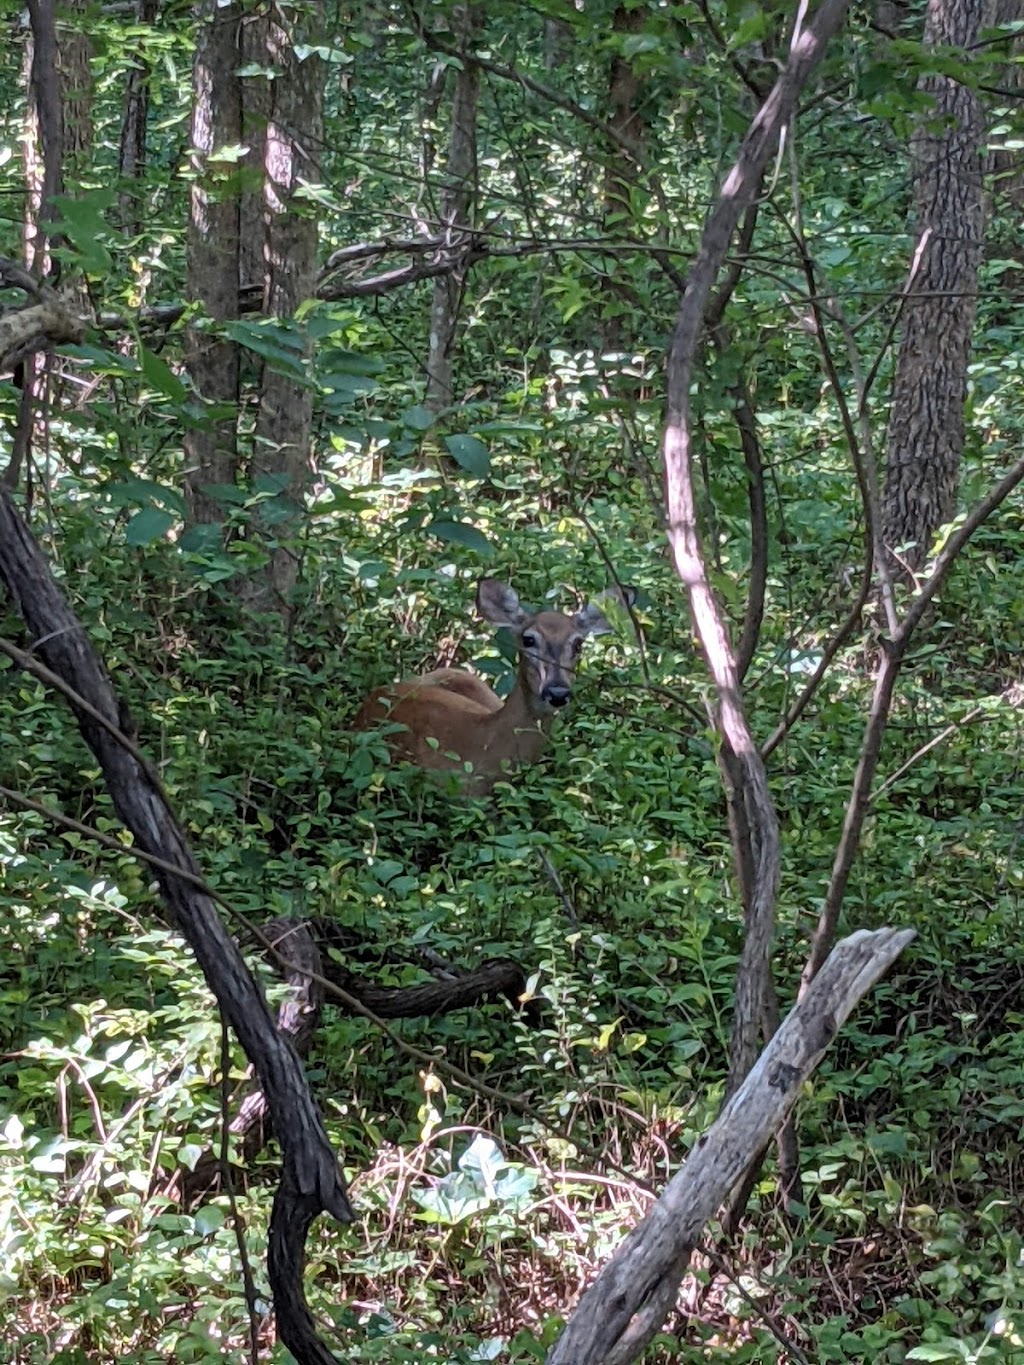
{"points": [[212, 270], [457, 202], [74, 76], [134, 118], [58, 137], [926, 425], [291, 149]]}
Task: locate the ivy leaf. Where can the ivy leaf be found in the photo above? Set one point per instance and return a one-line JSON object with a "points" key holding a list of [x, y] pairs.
{"points": [[417, 418], [461, 533], [470, 454], [152, 523]]}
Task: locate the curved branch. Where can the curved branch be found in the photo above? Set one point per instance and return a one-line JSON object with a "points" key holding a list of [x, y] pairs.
{"points": [[738, 193], [746, 425], [893, 653], [311, 1178]]}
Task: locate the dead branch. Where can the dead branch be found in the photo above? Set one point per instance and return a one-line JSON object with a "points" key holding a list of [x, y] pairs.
{"points": [[627, 1303], [40, 325], [298, 952]]}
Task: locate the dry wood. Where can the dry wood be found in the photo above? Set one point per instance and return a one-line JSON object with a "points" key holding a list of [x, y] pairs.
{"points": [[627, 1303], [43, 324]]}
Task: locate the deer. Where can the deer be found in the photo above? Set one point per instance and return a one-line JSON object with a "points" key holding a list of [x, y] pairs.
{"points": [[451, 721]]}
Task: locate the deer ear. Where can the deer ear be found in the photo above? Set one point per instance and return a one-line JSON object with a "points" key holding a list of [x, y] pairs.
{"points": [[592, 620], [498, 603]]}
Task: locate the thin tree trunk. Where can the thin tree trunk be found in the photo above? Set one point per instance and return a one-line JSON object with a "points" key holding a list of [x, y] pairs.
{"points": [[132, 156], [212, 269], [457, 206], [926, 426], [45, 174], [624, 155]]}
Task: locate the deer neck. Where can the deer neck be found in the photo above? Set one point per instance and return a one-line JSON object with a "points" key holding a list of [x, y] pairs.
{"points": [[515, 734]]}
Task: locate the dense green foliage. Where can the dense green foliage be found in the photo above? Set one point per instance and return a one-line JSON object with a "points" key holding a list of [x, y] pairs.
{"points": [[607, 870]]}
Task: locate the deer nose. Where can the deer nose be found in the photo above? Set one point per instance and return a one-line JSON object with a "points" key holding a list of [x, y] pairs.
{"points": [[556, 696]]}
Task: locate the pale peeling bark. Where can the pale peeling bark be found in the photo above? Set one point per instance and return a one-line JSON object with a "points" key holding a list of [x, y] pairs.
{"points": [[926, 425], [457, 206], [212, 268]]}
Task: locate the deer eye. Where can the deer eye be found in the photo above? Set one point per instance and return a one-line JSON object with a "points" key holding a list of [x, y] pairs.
{"points": [[529, 640]]}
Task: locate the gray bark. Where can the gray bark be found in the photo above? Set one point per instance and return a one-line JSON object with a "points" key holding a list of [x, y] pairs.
{"points": [[291, 147], [926, 425], [630, 1299], [458, 199], [212, 267]]}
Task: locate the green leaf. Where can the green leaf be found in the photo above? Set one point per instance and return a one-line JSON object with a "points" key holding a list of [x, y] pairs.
{"points": [[161, 376], [189, 1154], [417, 418], [204, 538], [470, 454], [279, 345], [461, 533], [208, 1219], [337, 361], [152, 523], [142, 493], [83, 221]]}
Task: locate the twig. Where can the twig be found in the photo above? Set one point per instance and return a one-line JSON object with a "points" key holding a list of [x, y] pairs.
{"points": [[933, 743]]}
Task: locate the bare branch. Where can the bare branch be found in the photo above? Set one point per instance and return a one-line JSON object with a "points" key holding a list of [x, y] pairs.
{"points": [[738, 193], [511, 73], [627, 1303], [893, 653]]}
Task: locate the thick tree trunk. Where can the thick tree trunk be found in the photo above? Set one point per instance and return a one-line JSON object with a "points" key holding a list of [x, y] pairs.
{"points": [[257, 111], [213, 246], [457, 206], [58, 138], [74, 74], [926, 425], [292, 140]]}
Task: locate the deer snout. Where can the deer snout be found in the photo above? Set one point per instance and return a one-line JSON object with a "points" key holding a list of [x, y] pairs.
{"points": [[556, 695]]}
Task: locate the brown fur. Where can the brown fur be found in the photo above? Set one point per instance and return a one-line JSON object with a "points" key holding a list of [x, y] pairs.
{"points": [[470, 724]]}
